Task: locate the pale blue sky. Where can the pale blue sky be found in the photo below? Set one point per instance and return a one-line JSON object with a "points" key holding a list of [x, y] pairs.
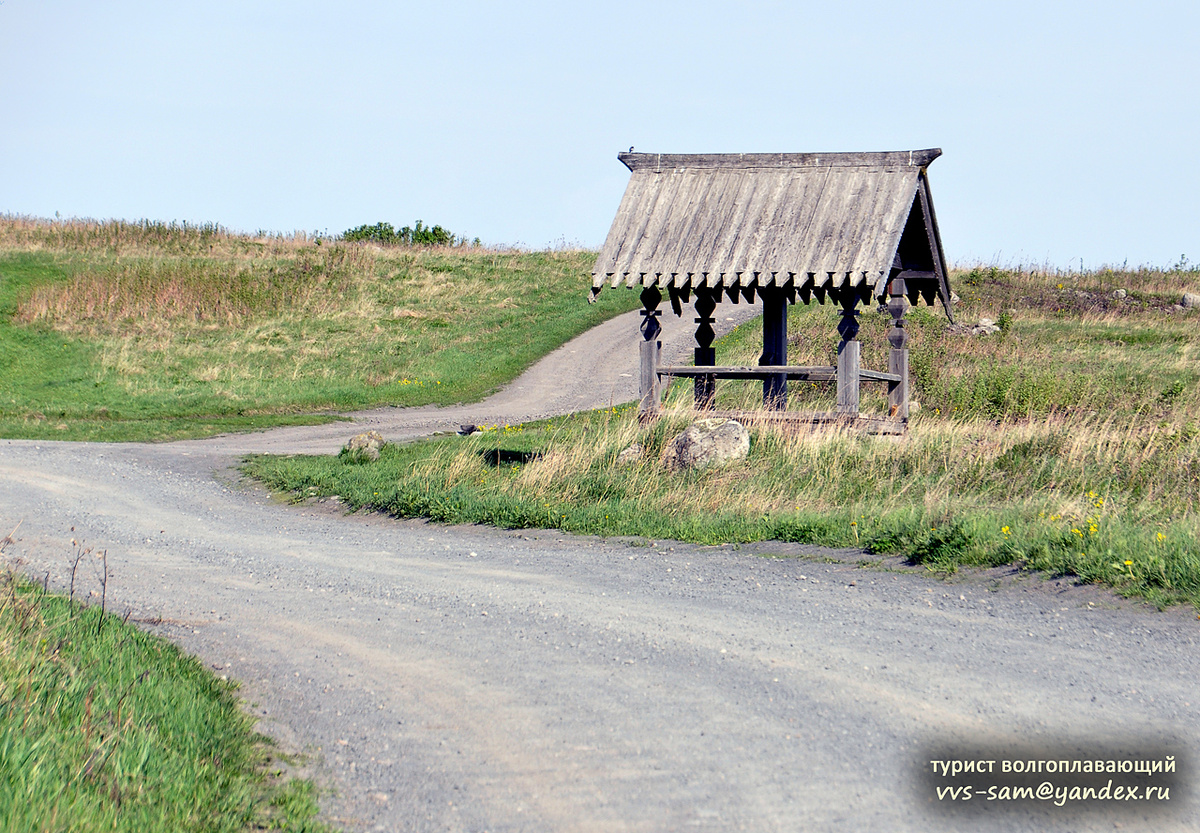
{"points": [[1069, 129]]}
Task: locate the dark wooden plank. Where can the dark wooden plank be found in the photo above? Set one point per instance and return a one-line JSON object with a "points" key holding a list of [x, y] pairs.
{"points": [[808, 374], [704, 387], [774, 352], [676, 304], [649, 388], [811, 374], [806, 420], [898, 389], [848, 375], [660, 162]]}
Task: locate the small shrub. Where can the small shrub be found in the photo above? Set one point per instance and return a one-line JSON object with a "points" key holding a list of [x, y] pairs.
{"points": [[416, 235], [942, 546], [378, 233], [1173, 391]]}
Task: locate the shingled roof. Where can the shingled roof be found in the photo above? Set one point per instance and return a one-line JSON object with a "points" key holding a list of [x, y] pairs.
{"points": [[807, 222]]}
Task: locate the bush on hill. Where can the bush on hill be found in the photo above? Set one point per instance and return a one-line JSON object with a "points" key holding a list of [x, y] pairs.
{"points": [[417, 235]]}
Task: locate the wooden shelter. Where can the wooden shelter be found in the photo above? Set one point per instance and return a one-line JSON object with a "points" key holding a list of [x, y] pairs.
{"points": [[848, 227]]}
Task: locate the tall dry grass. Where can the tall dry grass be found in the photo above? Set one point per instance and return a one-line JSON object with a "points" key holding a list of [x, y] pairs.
{"points": [[1056, 461], [1129, 358], [210, 291], [141, 237], [153, 275], [1095, 497]]}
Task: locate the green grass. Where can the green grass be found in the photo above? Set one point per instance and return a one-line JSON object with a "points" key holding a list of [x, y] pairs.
{"points": [[121, 331], [1068, 444], [105, 727]]}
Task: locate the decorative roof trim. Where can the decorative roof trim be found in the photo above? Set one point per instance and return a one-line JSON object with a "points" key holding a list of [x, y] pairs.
{"points": [[809, 223]]}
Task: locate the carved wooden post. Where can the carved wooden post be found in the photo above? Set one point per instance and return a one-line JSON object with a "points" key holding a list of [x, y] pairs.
{"points": [[848, 357], [649, 390], [706, 356], [774, 346], [898, 357]]}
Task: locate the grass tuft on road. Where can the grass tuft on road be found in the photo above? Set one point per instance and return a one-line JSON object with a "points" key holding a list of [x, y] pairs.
{"points": [[1067, 443], [149, 331]]}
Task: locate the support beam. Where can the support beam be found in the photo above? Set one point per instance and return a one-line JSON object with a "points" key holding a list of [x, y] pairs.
{"points": [[898, 356], [705, 355], [848, 363], [800, 373], [774, 346], [649, 391]]}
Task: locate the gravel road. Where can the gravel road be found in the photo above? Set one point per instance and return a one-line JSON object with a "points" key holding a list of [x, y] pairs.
{"points": [[470, 679]]}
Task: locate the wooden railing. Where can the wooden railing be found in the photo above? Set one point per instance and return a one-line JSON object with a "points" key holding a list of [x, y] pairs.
{"points": [[848, 386], [806, 374]]}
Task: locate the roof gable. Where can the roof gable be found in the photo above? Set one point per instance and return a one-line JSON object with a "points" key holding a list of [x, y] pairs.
{"points": [[840, 221]]}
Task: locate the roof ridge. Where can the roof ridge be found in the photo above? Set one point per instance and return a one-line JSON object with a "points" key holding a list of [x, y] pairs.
{"points": [[869, 159]]}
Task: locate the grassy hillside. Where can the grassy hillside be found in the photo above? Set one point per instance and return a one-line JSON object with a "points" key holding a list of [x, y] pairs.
{"points": [[130, 331], [1068, 442]]}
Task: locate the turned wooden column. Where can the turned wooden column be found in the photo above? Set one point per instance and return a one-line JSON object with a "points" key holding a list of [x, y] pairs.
{"points": [[774, 346], [649, 390], [898, 356], [706, 355], [848, 353]]}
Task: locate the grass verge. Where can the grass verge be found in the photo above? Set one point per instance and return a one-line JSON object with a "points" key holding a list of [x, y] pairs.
{"points": [[1046, 495], [1068, 443], [147, 331], [106, 727]]}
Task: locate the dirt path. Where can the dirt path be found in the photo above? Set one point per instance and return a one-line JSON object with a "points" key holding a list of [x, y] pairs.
{"points": [[464, 678], [595, 370]]}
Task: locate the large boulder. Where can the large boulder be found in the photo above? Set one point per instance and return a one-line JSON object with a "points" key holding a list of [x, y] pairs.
{"points": [[1190, 300], [707, 442], [363, 447]]}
